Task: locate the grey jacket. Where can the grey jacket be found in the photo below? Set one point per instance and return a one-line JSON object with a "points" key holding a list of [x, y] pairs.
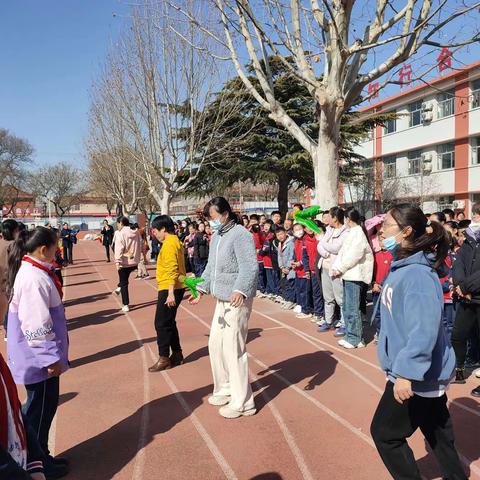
{"points": [[232, 265], [286, 255]]}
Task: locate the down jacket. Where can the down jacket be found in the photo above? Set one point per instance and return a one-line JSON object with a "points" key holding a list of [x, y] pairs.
{"points": [[355, 259], [232, 265]]}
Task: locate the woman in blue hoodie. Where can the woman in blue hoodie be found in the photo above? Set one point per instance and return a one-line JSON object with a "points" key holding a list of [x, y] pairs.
{"points": [[413, 348]]}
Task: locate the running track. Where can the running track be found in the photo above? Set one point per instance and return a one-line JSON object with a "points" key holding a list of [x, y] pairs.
{"points": [[315, 399]]}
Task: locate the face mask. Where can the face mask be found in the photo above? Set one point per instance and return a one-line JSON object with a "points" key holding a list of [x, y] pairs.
{"points": [[298, 234], [390, 243], [475, 227], [215, 224]]}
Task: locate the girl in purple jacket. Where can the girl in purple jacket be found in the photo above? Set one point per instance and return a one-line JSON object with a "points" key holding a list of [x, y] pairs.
{"points": [[37, 330]]}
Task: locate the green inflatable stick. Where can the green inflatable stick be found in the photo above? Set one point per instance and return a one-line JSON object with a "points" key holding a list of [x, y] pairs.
{"points": [[191, 283], [305, 217]]}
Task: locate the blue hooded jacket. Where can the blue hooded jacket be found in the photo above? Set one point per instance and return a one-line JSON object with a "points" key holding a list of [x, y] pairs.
{"points": [[412, 342]]}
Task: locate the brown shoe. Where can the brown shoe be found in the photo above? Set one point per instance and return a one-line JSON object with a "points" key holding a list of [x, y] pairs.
{"points": [[162, 364], [176, 359]]}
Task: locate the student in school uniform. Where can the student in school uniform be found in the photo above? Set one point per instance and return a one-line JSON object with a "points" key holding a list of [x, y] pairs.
{"points": [[301, 265]]}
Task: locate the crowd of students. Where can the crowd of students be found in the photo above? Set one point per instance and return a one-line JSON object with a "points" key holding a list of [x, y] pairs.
{"points": [[420, 272]]}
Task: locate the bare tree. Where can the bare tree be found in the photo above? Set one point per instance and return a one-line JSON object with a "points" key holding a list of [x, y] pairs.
{"points": [[338, 47], [15, 155], [62, 185], [156, 88]]}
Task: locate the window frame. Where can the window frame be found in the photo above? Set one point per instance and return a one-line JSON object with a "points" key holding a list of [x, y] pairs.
{"points": [[440, 156], [388, 123], [475, 93], [414, 155], [475, 146], [387, 163], [412, 112], [446, 106]]}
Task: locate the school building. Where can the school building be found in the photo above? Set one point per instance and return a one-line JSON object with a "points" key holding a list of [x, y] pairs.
{"points": [[431, 152]]}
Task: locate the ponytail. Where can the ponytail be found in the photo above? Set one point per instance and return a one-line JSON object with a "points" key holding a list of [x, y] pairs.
{"points": [[26, 242], [427, 237]]}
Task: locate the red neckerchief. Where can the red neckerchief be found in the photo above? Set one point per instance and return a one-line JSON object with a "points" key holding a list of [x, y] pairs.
{"points": [[50, 271]]}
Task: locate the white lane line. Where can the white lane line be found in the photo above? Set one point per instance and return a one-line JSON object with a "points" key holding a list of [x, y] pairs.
{"points": [[214, 450], [307, 337], [141, 456]]}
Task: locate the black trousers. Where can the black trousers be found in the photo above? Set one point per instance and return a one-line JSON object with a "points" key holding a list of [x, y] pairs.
{"points": [[107, 251], [393, 423], [467, 318], [123, 276], [166, 325], [67, 252], [40, 408]]}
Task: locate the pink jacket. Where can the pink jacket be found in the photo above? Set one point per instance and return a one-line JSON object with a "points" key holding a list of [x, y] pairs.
{"points": [[331, 243], [128, 247]]}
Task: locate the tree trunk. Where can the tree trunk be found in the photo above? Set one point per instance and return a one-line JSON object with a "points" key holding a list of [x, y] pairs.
{"points": [[165, 202], [325, 160], [282, 195]]}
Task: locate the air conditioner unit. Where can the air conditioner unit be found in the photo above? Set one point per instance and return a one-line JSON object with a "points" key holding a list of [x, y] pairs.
{"points": [[426, 157], [458, 204], [427, 116], [427, 106], [427, 168]]}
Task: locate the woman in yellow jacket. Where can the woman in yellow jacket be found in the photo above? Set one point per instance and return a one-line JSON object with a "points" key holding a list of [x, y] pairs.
{"points": [[170, 276]]}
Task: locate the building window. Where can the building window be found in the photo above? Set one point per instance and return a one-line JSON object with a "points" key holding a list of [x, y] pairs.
{"points": [[475, 197], [414, 162], [475, 93], [476, 151], [446, 156], [390, 167], [415, 110], [390, 126], [75, 208], [445, 202], [446, 104]]}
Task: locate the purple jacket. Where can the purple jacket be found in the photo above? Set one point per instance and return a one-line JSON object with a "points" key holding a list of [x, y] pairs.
{"points": [[331, 243], [37, 327]]}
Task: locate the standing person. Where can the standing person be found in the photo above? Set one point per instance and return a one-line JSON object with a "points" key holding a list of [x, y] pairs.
{"points": [[286, 245], [128, 251], [107, 238], [245, 221], [200, 250], [37, 335], [170, 275], [155, 246], [288, 225], [466, 279], [328, 248], [231, 278], [9, 234], [276, 218], [258, 238], [142, 272], [189, 247], [301, 266], [262, 220], [413, 349], [66, 234], [266, 253], [354, 265], [315, 289]]}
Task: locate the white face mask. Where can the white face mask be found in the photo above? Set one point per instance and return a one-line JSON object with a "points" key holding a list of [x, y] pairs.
{"points": [[475, 227], [298, 234]]}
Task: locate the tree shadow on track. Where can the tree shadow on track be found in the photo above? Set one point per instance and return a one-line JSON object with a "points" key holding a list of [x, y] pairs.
{"points": [[95, 318], [87, 299], [253, 334], [103, 456], [122, 349], [83, 283], [466, 425], [142, 305], [317, 366], [77, 274]]}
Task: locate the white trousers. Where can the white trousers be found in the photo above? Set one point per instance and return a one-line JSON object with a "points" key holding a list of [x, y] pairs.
{"points": [[228, 354]]}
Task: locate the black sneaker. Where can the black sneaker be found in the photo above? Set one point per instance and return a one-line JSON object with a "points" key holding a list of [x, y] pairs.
{"points": [[55, 471], [459, 376], [58, 460], [476, 392]]}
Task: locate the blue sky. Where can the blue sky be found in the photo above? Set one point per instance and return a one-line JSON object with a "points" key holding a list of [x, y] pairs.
{"points": [[50, 52]]}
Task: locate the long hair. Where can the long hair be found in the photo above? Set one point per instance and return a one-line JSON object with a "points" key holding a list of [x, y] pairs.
{"points": [[432, 240], [26, 242]]}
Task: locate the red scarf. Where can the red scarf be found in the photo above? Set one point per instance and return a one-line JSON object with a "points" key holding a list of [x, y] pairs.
{"points": [[50, 271], [12, 398]]}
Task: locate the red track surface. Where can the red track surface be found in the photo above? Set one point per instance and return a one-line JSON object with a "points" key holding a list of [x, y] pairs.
{"points": [[315, 399]]}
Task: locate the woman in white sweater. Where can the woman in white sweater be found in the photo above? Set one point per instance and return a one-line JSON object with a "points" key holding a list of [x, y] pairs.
{"points": [[354, 264]]}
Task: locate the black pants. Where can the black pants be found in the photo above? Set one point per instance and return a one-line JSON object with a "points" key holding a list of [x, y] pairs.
{"points": [[393, 423], [107, 251], [67, 252], [123, 275], [467, 318], [166, 325], [40, 408]]}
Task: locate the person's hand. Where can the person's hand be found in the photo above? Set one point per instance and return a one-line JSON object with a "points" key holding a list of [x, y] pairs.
{"points": [[236, 299], [170, 302], [402, 390], [376, 288], [285, 271], [37, 476], [192, 300], [307, 275], [54, 370], [336, 274]]}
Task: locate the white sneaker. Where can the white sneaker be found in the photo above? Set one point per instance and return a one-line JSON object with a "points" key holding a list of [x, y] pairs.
{"points": [[318, 320], [349, 346], [227, 412], [297, 309], [475, 372], [218, 400], [117, 291], [288, 305], [303, 315], [125, 308]]}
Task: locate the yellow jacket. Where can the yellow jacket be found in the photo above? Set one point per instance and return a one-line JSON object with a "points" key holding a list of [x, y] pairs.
{"points": [[170, 263]]}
